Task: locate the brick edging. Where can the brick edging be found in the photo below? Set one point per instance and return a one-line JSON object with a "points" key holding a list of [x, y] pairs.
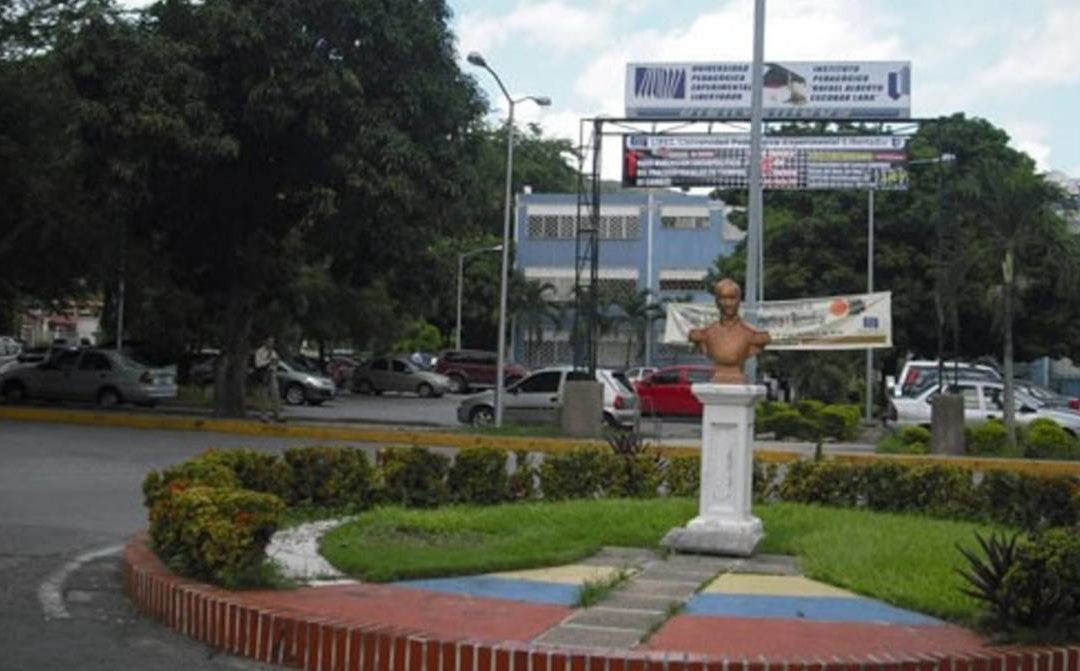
{"points": [[226, 621]]}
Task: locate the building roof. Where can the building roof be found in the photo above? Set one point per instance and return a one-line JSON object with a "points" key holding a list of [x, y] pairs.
{"points": [[662, 197]]}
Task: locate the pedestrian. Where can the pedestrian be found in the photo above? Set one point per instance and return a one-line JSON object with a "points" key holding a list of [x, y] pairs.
{"points": [[266, 363]]}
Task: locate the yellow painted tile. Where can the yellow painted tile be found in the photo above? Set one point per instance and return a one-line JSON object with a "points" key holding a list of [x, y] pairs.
{"points": [[571, 574], [772, 585]]}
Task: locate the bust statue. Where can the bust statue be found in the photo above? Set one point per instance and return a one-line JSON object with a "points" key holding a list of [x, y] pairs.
{"points": [[729, 342]]}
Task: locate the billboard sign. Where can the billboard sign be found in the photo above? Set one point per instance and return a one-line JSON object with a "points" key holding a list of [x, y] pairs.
{"points": [[861, 321], [791, 90], [793, 162]]}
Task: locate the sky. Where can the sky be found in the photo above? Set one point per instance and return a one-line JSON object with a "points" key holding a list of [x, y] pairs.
{"points": [[1016, 64]]}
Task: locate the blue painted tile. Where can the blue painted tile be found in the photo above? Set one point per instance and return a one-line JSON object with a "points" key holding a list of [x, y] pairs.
{"points": [[823, 609], [500, 588]]}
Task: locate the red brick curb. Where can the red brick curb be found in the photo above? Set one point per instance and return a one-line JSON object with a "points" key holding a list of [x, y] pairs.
{"points": [[233, 623]]}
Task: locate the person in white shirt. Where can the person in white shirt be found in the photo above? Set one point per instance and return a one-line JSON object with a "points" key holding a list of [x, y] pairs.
{"points": [[266, 362]]}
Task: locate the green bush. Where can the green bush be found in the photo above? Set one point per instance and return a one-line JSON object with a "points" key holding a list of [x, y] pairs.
{"points": [[1042, 588], [987, 439], [1028, 501], [414, 476], [478, 475], [824, 482], [840, 422], [194, 472], [332, 477], [789, 424], [894, 443], [809, 408], [635, 476], [943, 491], [580, 474], [1046, 439], [214, 533], [683, 476], [911, 435], [765, 481], [257, 471]]}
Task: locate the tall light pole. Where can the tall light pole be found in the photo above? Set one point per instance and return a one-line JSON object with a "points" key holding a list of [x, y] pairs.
{"points": [[460, 278], [755, 230], [500, 365]]}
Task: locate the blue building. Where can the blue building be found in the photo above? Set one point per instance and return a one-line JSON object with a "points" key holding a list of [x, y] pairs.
{"points": [[662, 241]]}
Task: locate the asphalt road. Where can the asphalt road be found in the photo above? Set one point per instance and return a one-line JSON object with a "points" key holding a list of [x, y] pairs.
{"points": [[69, 490]]}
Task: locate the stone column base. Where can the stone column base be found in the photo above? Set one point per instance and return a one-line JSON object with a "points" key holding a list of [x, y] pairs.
{"points": [[727, 537]]}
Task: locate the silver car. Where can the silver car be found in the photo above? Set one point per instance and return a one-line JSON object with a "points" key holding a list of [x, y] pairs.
{"points": [[398, 374], [538, 398], [104, 376], [983, 401]]}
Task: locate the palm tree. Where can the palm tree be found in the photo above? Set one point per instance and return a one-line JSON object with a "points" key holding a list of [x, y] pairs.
{"points": [[638, 312], [1015, 205], [533, 306]]}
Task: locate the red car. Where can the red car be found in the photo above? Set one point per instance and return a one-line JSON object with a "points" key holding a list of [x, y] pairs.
{"points": [[667, 391], [471, 369]]}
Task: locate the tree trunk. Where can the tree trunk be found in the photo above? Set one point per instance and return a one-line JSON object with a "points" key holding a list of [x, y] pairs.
{"points": [[1007, 309], [232, 381]]}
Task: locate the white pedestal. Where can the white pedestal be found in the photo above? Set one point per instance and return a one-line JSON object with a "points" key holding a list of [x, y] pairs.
{"points": [[724, 525]]}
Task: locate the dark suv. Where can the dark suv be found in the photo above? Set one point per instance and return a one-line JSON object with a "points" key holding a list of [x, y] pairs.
{"points": [[470, 369]]}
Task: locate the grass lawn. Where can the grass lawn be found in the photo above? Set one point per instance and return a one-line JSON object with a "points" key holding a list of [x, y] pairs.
{"points": [[906, 560]]}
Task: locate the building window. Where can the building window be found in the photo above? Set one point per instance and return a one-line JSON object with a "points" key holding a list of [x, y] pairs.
{"points": [[685, 223], [552, 227]]}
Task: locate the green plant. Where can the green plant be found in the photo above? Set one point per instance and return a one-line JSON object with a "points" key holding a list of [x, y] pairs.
{"points": [[584, 473], [478, 475], [214, 533], [194, 472], [1029, 502], [414, 476], [790, 424], [683, 476], [257, 471], [596, 590], [1042, 588], [911, 435], [825, 482], [332, 477], [840, 422], [987, 439], [808, 408], [637, 471], [1046, 439], [765, 481]]}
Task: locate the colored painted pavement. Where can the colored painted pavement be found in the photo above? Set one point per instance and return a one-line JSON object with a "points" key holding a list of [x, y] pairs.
{"points": [[557, 585]]}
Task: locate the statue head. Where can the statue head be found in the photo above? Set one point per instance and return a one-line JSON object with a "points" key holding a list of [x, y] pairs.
{"points": [[728, 296]]}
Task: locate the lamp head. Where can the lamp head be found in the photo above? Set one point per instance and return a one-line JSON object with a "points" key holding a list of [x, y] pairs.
{"points": [[542, 101], [476, 59]]}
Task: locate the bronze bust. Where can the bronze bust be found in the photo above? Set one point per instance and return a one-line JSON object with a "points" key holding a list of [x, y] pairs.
{"points": [[730, 341]]}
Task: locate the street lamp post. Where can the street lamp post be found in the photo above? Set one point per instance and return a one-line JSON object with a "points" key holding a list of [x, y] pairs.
{"points": [[460, 278], [500, 365]]}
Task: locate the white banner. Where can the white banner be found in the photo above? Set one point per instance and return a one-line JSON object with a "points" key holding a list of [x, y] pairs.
{"points": [[861, 321], [791, 90]]}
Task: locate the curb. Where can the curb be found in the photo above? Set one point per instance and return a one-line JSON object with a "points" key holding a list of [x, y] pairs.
{"points": [[427, 438], [233, 622]]}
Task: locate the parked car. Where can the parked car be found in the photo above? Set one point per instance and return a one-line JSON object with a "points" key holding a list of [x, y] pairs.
{"points": [[398, 374], [537, 399], [340, 369], [667, 391], [639, 373], [474, 369], [918, 376], [983, 401], [104, 376], [1049, 396], [298, 384]]}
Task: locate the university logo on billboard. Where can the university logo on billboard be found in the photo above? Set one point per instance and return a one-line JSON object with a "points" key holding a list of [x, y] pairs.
{"points": [[899, 83], [660, 83]]}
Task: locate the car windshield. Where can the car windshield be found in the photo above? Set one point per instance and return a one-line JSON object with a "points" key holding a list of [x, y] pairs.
{"points": [[620, 378]]}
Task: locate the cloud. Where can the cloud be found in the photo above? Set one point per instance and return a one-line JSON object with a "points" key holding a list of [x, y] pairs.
{"points": [[551, 25], [1032, 139]]}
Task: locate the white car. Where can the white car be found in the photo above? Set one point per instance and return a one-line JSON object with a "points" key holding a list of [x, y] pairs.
{"points": [[537, 398], [918, 376], [983, 401]]}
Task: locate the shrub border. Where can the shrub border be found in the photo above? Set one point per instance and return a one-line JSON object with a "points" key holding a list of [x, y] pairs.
{"points": [[231, 623]]}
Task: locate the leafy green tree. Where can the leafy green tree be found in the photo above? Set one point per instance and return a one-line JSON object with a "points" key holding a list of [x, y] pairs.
{"points": [[533, 306], [251, 139], [637, 312]]}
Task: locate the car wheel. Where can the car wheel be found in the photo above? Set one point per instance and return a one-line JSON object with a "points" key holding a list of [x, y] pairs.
{"points": [[294, 394], [458, 384], [365, 387], [425, 390], [15, 391], [482, 416], [109, 398]]}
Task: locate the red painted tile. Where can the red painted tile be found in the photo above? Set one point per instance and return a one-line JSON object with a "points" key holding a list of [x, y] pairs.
{"points": [[1027, 661], [484, 658], [467, 656], [520, 659], [448, 657], [501, 659], [540, 661], [251, 634], [559, 662], [1073, 663], [370, 645]]}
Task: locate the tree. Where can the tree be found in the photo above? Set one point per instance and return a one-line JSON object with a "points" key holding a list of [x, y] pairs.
{"points": [[1015, 207], [638, 313], [533, 307], [262, 137]]}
